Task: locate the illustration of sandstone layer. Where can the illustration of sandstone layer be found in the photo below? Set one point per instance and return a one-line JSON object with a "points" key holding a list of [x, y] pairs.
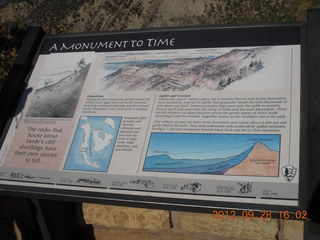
{"points": [[260, 162]]}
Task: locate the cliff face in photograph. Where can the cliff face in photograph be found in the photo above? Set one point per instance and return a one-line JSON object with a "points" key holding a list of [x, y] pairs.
{"points": [[187, 74], [59, 99]]}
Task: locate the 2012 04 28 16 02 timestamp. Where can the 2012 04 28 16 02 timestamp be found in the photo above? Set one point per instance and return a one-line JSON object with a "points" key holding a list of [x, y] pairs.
{"points": [[262, 214]]}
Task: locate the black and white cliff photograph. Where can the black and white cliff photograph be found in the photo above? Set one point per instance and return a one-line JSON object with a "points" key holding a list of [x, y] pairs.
{"points": [[60, 85]]}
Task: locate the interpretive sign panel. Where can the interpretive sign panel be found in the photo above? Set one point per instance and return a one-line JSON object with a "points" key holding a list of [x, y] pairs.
{"points": [[206, 117]]}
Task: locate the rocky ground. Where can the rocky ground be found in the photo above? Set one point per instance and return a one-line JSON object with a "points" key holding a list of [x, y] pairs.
{"points": [[61, 16]]}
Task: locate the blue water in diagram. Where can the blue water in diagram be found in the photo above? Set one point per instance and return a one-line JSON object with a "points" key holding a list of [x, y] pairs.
{"points": [[203, 153], [93, 143]]}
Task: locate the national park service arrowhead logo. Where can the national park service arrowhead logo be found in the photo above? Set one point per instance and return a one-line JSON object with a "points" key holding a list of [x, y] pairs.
{"points": [[289, 172]]}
